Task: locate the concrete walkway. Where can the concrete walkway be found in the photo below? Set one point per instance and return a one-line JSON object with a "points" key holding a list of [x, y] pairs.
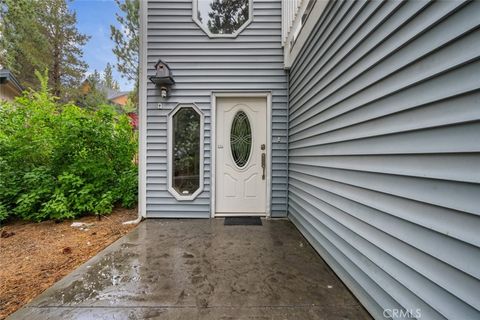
{"points": [[201, 269]]}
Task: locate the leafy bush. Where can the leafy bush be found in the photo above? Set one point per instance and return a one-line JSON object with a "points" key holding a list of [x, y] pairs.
{"points": [[61, 161]]}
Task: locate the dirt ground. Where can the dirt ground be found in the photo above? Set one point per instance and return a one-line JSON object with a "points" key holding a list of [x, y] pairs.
{"points": [[33, 256]]}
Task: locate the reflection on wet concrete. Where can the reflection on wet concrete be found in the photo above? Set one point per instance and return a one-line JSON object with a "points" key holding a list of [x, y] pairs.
{"points": [[201, 269]]}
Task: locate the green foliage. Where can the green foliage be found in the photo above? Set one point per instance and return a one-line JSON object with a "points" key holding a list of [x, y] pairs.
{"points": [[23, 44], [108, 79], [3, 212], [131, 105], [94, 99], [60, 161], [98, 91], [96, 96], [95, 78]]}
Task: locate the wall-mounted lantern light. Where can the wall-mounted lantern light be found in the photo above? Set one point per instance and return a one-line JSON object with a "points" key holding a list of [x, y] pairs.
{"points": [[162, 78]]}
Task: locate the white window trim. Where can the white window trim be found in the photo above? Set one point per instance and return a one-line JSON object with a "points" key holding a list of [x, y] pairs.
{"points": [[172, 190], [212, 35], [213, 131]]}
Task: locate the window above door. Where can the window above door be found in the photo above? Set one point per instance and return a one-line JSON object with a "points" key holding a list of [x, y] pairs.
{"points": [[222, 18]]}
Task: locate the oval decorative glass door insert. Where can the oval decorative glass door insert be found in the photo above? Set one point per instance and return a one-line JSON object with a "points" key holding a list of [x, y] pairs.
{"points": [[241, 139]]}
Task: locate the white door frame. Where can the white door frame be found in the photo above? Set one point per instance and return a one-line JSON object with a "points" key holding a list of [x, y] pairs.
{"points": [[240, 94]]}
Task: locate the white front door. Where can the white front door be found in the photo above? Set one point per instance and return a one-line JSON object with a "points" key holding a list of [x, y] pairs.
{"points": [[241, 141]]}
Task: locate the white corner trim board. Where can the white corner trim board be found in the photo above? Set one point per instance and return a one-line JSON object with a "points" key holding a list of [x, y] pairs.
{"points": [[142, 110]]}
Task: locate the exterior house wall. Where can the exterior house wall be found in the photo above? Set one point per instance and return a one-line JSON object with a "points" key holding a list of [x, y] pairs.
{"points": [[10, 88], [8, 92], [85, 87], [253, 61], [120, 100], [384, 152]]}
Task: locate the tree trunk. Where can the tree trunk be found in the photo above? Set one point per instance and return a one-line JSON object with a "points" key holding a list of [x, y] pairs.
{"points": [[56, 71]]}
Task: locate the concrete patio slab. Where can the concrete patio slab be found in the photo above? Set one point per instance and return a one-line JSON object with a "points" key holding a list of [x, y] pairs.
{"points": [[201, 269]]}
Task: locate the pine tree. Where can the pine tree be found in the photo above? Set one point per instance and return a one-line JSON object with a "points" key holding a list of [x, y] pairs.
{"points": [[96, 94], [95, 79], [227, 16], [23, 44], [108, 80], [126, 39], [67, 68], [43, 35]]}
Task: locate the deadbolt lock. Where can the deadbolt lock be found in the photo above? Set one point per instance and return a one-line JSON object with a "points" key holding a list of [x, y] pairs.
{"points": [[262, 147]]}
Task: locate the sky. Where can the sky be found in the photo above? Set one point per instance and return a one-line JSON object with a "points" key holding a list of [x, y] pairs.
{"points": [[94, 18], [204, 9]]}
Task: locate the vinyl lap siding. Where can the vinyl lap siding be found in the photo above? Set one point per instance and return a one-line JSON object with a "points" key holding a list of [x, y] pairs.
{"points": [[384, 152], [200, 65]]}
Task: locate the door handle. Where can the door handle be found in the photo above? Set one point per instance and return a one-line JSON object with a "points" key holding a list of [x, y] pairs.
{"points": [[263, 166]]}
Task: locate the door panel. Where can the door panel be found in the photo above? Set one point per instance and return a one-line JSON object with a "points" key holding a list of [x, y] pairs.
{"points": [[240, 136]]}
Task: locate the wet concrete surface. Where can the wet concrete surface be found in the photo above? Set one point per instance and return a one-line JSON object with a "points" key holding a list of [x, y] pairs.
{"points": [[200, 269]]}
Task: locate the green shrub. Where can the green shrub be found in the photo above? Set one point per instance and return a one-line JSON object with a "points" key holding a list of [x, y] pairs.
{"points": [[61, 161]]}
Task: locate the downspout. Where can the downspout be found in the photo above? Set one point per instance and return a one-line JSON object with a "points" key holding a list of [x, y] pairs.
{"points": [[288, 140], [287, 11], [142, 117], [136, 221]]}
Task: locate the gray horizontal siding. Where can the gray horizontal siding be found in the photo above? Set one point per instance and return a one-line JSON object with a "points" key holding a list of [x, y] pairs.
{"points": [[384, 152], [200, 65]]}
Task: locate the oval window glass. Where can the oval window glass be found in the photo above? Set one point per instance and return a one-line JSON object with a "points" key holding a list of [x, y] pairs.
{"points": [[241, 139]]}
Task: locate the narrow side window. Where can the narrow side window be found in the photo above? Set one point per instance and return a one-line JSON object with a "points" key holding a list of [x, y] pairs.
{"points": [[186, 152]]}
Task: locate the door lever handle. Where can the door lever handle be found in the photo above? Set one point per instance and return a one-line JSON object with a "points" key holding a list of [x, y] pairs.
{"points": [[263, 166]]}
